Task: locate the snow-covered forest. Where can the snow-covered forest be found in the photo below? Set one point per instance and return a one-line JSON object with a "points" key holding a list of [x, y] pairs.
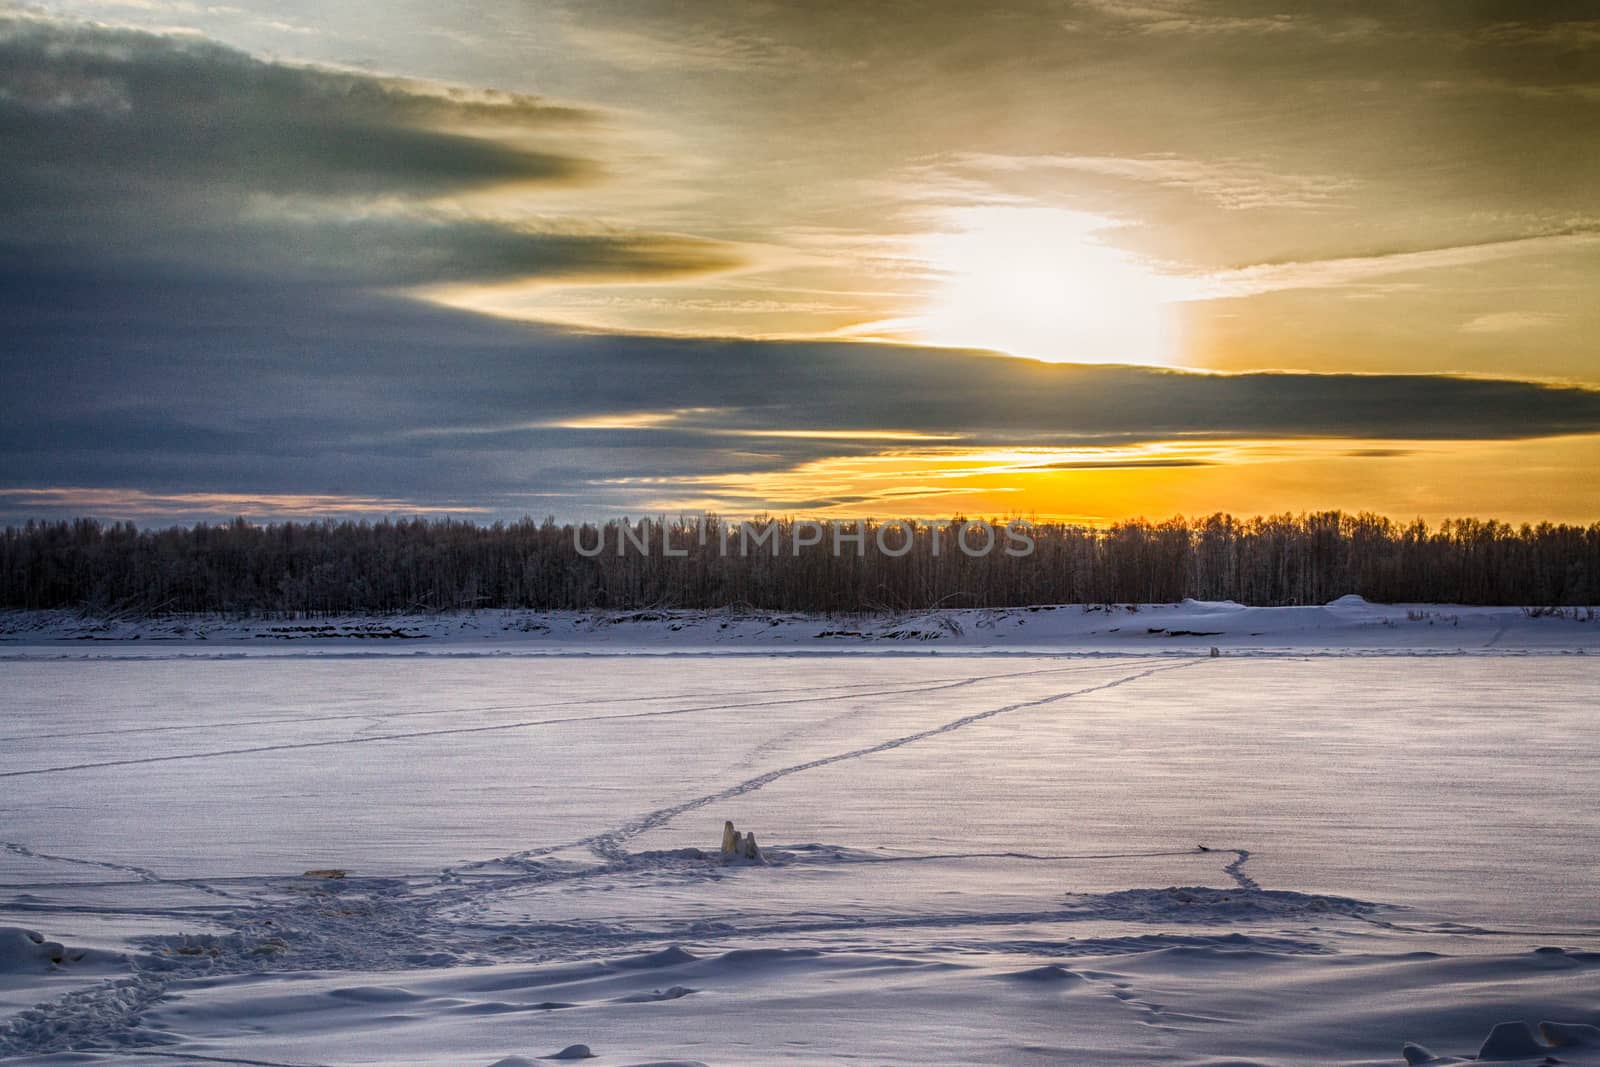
{"points": [[423, 565]]}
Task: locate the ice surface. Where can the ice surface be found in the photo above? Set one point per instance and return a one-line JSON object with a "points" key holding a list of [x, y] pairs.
{"points": [[1025, 858]]}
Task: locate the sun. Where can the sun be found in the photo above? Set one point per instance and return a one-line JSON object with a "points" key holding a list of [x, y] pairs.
{"points": [[1043, 283]]}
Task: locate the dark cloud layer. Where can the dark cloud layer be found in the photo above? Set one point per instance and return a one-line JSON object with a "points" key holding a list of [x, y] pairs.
{"points": [[296, 390], [134, 147], [84, 106]]}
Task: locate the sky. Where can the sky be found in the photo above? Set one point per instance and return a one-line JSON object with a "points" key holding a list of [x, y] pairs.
{"points": [[1065, 259]]}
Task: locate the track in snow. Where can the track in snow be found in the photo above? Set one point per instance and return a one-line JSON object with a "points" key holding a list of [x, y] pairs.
{"points": [[609, 844], [500, 727]]}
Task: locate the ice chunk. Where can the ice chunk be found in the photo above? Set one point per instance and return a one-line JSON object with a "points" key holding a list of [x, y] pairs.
{"points": [[1511, 1041], [1571, 1035], [739, 846], [572, 1052]]}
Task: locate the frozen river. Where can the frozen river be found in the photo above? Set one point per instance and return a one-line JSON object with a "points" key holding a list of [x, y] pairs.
{"points": [[971, 858]]}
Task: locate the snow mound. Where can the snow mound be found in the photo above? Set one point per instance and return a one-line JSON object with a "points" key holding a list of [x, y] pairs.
{"points": [[1203, 904], [572, 1052], [661, 855], [27, 952], [1049, 974], [654, 995], [667, 957], [375, 994]]}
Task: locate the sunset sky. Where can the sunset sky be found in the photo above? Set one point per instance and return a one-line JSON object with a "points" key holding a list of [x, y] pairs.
{"points": [[1057, 258]]}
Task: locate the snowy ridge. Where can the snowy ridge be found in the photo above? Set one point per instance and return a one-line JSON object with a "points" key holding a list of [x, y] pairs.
{"points": [[1348, 624]]}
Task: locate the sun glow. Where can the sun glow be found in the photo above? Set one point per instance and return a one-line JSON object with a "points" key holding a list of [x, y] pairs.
{"points": [[1043, 283]]}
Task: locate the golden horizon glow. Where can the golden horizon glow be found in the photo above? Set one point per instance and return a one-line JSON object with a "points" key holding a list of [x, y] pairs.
{"points": [[1102, 485]]}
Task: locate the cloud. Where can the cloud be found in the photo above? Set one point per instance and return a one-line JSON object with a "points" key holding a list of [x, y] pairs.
{"points": [[1188, 17], [1527, 89], [176, 386], [420, 248], [1234, 184], [190, 237], [135, 147], [1114, 464], [707, 48], [1358, 270], [1564, 34], [1509, 321], [145, 107], [180, 506]]}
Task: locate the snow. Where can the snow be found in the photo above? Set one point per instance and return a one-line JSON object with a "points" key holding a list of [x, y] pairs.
{"points": [[1097, 849], [1346, 625], [27, 951]]}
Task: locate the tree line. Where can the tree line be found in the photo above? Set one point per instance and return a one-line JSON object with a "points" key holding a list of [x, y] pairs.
{"points": [[425, 565]]}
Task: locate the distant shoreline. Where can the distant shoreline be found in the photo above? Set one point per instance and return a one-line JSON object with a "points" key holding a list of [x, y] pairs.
{"points": [[1346, 625]]}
